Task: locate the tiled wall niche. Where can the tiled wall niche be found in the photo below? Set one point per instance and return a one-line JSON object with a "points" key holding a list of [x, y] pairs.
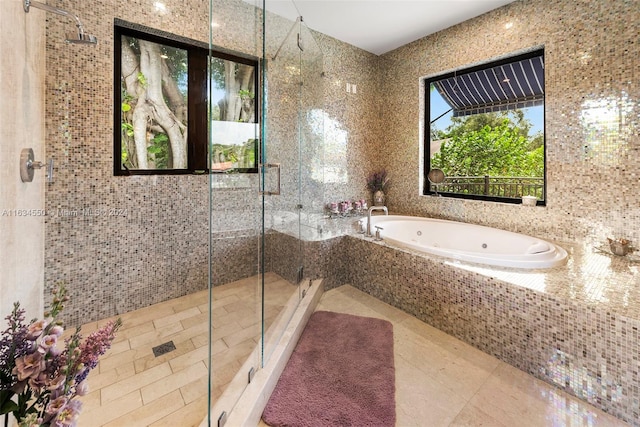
{"points": [[592, 67]]}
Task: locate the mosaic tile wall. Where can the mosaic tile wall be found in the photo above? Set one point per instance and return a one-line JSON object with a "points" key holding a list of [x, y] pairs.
{"points": [[592, 66], [121, 243], [321, 258], [337, 128]]}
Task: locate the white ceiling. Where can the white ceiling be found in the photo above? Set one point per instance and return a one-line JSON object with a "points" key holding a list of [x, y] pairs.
{"points": [[379, 26]]}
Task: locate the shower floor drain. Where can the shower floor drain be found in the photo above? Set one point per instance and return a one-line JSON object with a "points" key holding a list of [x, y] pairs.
{"points": [[164, 348]]}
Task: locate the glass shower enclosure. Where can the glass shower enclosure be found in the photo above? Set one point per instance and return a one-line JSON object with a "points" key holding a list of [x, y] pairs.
{"points": [[259, 217], [198, 248]]}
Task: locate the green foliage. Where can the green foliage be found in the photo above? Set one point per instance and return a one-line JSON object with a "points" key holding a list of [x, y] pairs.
{"points": [[127, 128], [142, 80], [159, 150], [246, 94], [536, 141], [242, 156], [494, 144], [216, 71], [465, 124]]}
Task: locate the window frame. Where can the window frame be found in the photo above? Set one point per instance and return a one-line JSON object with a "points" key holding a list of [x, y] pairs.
{"points": [[226, 55], [198, 93], [427, 81]]}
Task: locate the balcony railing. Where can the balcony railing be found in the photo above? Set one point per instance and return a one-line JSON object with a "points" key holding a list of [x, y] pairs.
{"points": [[496, 186]]}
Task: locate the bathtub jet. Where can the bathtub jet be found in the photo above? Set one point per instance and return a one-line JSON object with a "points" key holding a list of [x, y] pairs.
{"points": [[469, 242]]}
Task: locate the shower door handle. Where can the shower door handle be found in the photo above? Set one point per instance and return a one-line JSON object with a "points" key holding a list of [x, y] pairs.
{"points": [[276, 166]]}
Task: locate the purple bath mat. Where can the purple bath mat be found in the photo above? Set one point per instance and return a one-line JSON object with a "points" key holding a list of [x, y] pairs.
{"points": [[341, 373]]}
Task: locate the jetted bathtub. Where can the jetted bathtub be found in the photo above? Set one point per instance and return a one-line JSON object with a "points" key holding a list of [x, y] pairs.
{"points": [[468, 242]]}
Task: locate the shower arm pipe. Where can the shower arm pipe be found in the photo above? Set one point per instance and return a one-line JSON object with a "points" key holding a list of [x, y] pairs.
{"points": [[298, 19], [44, 6]]}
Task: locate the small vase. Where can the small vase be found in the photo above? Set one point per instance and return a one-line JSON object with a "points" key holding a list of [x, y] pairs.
{"points": [[378, 198]]}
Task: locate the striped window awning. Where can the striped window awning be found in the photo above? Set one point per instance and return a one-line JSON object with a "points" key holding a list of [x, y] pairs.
{"points": [[518, 84]]}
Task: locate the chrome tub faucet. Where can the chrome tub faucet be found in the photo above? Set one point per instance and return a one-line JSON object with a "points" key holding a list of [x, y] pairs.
{"points": [[371, 209]]}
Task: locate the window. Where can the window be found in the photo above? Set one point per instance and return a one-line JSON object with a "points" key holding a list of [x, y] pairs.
{"points": [[162, 117], [486, 131], [234, 115]]}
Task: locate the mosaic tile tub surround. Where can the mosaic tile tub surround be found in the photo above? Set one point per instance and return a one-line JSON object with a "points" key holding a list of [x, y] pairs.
{"points": [[566, 325], [575, 326]]}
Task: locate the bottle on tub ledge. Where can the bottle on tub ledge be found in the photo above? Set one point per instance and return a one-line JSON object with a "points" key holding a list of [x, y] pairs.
{"points": [[357, 207], [346, 208]]}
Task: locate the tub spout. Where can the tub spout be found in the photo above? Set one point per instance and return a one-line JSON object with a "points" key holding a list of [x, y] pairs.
{"points": [[371, 209]]}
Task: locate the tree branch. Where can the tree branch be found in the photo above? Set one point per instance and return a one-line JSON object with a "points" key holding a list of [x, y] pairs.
{"points": [[151, 67]]}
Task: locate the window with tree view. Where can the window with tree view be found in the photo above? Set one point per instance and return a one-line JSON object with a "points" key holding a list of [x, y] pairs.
{"points": [[163, 120], [233, 117], [487, 130]]}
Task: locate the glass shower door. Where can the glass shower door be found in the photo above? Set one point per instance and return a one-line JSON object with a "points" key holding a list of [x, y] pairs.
{"points": [[235, 203], [311, 144], [259, 217], [292, 61]]}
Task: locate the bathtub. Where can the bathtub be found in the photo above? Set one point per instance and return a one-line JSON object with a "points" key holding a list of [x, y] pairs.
{"points": [[468, 242]]}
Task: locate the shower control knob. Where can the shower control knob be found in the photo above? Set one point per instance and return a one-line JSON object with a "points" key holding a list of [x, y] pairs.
{"points": [[28, 164]]}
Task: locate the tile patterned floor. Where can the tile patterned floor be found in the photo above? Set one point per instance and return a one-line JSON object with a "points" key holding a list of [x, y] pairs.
{"points": [[132, 387], [441, 381]]}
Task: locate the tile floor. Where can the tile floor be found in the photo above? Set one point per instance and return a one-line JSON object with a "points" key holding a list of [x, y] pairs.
{"points": [[132, 387], [441, 381]]}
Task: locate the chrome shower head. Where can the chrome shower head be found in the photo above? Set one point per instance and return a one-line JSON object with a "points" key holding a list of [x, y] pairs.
{"points": [[79, 38]]}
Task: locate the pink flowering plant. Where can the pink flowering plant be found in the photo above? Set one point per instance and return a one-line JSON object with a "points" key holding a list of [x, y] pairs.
{"points": [[41, 374]]}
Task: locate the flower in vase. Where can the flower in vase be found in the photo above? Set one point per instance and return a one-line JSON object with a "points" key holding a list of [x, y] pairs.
{"points": [[378, 181]]}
